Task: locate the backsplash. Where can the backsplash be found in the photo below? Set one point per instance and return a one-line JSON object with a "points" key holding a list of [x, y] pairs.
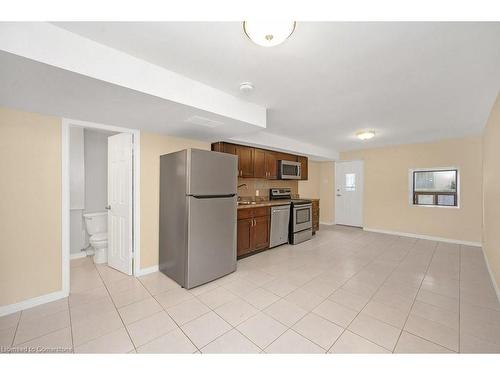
{"points": [[262, 186]]}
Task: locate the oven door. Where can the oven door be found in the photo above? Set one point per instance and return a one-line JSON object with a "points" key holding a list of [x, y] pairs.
{"points": [[302, 217]]}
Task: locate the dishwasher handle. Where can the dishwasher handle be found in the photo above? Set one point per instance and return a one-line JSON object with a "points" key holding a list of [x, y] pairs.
{"points": [[279, 209]]}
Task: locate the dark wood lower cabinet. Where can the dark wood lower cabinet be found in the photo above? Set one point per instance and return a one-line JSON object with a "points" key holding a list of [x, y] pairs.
{"points": [[315, 215], [244, 243], [260, 233], [253, 230]]}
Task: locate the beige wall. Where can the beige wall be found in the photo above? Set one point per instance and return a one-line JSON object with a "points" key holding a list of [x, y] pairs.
{"points": [[30, 207], [386, 194], [152, 146], [320, 185], [491, 190]]}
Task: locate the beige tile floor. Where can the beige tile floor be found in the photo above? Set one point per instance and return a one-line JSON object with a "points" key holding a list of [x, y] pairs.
{"points": [[345, 291]]}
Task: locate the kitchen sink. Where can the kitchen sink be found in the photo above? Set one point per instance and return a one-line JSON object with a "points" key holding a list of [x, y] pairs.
{"points": [[243, 203]]}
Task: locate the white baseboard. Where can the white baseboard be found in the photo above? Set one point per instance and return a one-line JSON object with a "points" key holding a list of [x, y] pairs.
{"points": [[81, 254], [492, 275], [32, 302], [327, 223], [424, 237], [146, 271]]}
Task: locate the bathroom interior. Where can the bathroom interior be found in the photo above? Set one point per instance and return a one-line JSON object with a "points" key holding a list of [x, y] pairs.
{"points": [[88, 169]]}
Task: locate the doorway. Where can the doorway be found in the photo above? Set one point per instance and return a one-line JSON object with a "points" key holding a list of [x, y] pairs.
{"points": [[349, 184], [100, 196]]}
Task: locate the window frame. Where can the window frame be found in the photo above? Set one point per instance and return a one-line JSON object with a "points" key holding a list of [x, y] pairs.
{"points": [[413, 194]]}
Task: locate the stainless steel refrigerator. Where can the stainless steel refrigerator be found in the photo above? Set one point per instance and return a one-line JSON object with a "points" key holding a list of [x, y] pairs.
{"points": [[197, 241]]}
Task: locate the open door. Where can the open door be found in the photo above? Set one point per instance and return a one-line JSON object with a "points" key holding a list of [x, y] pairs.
{"points": [[120, 202]]}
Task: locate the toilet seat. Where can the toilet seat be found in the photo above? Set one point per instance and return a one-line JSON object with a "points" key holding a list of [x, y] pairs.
{"points": [[98, 237]]}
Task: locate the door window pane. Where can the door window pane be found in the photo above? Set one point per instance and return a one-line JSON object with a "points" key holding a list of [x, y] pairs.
{"points": [[350, 182]]}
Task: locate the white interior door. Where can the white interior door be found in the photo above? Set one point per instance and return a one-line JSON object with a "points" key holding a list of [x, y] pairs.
{"points": [[349, 193], [120, 202]]}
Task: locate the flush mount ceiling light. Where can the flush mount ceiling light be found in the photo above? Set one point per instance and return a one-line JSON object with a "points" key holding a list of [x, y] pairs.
{"points": [[365, 134], [246, 87], [268, 34]]}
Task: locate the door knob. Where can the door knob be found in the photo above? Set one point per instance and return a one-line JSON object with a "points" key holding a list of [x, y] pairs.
{"points": [[339, 195], [108, 207]]}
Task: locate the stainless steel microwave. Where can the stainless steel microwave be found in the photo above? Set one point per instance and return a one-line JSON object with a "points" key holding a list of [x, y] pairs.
{"points": [[289, 170]]}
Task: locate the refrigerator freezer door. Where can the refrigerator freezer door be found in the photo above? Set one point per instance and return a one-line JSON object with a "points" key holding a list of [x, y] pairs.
{"points": [[212, 173], [211, 239]]}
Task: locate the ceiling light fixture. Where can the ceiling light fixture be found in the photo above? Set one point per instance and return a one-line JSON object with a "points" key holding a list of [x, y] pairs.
{"points": [[246, 87], [365, 134], [268, 34]]}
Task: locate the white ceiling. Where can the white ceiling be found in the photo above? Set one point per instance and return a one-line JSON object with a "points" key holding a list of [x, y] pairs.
{"points": [[411, 82], [38, 87]]}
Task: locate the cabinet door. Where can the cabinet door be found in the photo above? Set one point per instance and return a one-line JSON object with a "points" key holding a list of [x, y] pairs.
{"points": [[287, 157], [259, 163], [271, 162], [260, 233], [244, 243], [315, 215], [303, 167], [245, 161], [230, 148]]}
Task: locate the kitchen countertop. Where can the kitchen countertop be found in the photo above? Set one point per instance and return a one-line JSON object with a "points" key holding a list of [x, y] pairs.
{"points": [[281, 202], [264, 204]]}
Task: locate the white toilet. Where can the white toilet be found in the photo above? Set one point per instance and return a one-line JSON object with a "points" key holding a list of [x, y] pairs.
{"points": [[97, 228]]}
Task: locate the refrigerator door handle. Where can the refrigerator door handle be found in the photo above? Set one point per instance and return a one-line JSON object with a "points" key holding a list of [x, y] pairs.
{"points": [[211, 196]]}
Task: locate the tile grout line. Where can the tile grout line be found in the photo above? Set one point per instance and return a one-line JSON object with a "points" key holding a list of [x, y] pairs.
{"points": [[371, 297], [71, 328], [345, 282], [15, 331], [166, 312], [260, 311], [112, 300], [415, 297]]}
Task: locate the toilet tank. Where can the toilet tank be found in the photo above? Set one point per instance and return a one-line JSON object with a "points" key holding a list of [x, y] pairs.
{"points": [[96, 222]]}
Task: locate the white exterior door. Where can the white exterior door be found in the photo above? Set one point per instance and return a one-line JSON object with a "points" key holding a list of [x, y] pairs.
{"points": [[349, 182], [120, 202]]}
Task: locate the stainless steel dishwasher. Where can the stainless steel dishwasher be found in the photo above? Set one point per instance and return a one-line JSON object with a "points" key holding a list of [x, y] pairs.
{"points": [[280, 219]]}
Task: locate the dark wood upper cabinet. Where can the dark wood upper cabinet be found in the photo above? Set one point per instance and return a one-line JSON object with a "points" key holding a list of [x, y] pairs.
{"points": [[271, 162], [245, 160], [257, 162], [303, 167], [287, 157]]}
